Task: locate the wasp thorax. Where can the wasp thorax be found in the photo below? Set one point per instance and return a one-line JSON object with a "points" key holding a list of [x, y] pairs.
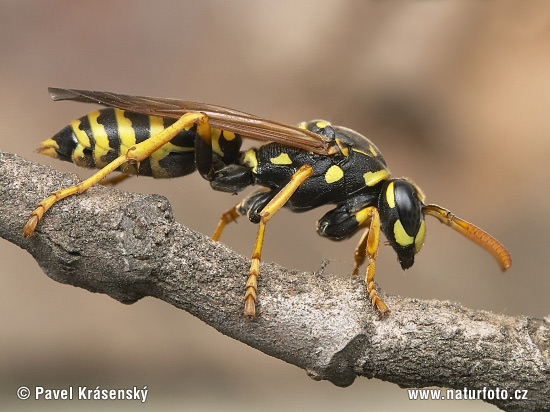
{"points": [[402, 221], [321, 127]]}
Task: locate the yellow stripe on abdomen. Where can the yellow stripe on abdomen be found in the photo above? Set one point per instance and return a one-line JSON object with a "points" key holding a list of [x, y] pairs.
{"points": [[156, 126], [82, 142], [127, 137], [101, 140]]}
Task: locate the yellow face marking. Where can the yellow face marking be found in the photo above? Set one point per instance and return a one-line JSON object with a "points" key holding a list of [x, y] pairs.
{"points": [[282, 159], [401, 236], [372, 178], [82, 143], [48, 147], [420, 236], [333, 174], [302, 125], [373, 150], [127, 137], [321, 124], [250, 160], [101, 147], [390, 196]]}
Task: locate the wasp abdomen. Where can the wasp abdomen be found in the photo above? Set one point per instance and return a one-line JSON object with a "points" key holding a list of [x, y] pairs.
{"points": [[101, 136]]}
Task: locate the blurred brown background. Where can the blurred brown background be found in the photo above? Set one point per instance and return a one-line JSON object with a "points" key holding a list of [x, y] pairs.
{"points": [[456, 94]]}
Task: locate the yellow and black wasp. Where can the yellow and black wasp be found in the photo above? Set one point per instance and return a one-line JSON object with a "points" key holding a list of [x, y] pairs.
{"points": [[301, 168]]}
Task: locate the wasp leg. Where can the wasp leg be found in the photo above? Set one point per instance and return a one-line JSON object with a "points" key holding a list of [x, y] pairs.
{"points": [[227, 217], [251, 205], [135, 154], [370, 214], [360, 251], [231, 178], [267, 213], [344, 221]]}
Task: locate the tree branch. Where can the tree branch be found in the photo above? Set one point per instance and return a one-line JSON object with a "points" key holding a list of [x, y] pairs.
{"points": [[128, 246]]}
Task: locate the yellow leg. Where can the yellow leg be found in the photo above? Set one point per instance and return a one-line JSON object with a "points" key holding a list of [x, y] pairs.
{"points": [[267, 213], [372, 243], [135, 154], [360, 251], [227, 217]]}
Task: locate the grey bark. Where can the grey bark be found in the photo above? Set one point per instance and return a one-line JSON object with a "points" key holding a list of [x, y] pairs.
{"points": [[128, 246]]}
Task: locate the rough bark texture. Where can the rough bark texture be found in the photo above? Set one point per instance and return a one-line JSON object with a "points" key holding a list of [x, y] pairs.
{"points": [[128, 246]]}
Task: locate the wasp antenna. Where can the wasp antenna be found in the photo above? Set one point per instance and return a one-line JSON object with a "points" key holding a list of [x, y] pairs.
{"points": [[472, 232]]}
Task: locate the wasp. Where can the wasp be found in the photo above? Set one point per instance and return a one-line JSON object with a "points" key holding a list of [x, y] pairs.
{"points": [[299, 167]]}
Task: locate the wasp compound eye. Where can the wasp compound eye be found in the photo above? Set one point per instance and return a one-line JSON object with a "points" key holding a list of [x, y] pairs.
{"points": [[408, 206]]}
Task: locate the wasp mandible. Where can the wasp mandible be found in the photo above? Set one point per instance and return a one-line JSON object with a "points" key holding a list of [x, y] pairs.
{"points": [[303, 167]]}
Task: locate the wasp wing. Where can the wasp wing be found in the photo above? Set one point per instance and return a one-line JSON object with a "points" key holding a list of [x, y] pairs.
{"points": [[245, 124]]}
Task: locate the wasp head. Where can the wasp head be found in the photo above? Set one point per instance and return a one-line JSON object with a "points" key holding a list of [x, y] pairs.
{"points": [[400, 205]]}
